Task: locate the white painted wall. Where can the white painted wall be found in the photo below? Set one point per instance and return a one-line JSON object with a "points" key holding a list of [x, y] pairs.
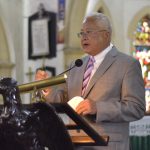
{"points": [[14, 15], [30, 7], [11, 16]]}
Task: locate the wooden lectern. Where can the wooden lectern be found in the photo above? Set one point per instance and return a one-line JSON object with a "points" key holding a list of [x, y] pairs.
{"points": [[92, 138]]}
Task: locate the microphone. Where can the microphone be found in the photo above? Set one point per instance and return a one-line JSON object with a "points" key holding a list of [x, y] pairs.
{"points": [[77, 63]]}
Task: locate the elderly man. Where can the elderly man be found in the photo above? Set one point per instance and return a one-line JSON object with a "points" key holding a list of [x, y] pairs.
{"points": [[109, 81]]}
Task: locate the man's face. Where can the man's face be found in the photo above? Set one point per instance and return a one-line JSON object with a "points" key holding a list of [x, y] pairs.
{"points": [[94, 37]]}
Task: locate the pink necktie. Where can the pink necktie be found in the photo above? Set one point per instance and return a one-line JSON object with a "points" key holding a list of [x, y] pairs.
{"points": [[87, 73]]}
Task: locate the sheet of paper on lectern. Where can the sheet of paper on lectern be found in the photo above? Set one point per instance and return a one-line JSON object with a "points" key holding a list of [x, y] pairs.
{"points": [[75, 101]]}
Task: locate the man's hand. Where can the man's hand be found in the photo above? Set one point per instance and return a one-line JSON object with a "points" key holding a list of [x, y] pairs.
{"points": [[86, 107], [41, 75]]}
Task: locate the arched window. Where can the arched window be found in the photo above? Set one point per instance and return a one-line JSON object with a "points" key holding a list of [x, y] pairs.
{"points": [[141, 51]]}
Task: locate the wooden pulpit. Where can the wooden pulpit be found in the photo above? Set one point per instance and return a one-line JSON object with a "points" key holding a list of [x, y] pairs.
{"points": [[92, 138]]}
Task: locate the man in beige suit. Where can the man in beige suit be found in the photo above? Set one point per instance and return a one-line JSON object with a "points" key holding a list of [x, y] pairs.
{"points": [[115, 93]]}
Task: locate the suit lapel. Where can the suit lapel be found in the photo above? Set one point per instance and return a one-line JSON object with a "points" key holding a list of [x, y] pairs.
{"points": [[106, 63]]}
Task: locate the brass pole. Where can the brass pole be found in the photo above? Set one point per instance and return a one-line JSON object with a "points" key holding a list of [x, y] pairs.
{"points": [[41, 83]]}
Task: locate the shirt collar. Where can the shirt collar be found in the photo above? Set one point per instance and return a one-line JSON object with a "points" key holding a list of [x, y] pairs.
{"points": [[102, 54]]}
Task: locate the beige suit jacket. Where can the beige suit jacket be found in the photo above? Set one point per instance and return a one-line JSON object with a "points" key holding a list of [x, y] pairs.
{"points": [[117, 87]]}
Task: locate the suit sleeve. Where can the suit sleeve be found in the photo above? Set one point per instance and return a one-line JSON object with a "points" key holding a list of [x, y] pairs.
{"points": [[58, 94], [131, 105]]}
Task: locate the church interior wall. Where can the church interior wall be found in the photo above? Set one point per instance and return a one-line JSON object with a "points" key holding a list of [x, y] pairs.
{"points": [[30, 8], [11, 16], [14, 15], [72, 45]]}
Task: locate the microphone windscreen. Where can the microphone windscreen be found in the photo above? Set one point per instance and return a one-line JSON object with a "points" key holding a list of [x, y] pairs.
{"points": [[78, 62]]}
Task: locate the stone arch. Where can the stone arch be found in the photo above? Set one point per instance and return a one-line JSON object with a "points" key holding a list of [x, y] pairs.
{"points": [[133, 24], [5, 65], [101, 6], [5, 62], [75, 14]]}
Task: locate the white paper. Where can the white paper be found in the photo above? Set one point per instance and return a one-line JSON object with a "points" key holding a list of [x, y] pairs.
{"points": [[75, 101]]}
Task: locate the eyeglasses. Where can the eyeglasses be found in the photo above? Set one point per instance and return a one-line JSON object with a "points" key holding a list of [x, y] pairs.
{"points": [[88, 33]]}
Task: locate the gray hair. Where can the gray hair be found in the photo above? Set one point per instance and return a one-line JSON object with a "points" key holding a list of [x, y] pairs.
{"points": [[100, 18]]}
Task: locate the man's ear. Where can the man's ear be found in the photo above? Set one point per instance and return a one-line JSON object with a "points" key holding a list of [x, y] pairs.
{"points": [[107, 35]]}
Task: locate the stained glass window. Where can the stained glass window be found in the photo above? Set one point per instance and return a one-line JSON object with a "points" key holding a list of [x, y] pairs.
{"points": [[141, 51]]}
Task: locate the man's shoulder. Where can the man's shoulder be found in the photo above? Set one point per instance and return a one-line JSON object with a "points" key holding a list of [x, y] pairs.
{"points": [[125, 57]]}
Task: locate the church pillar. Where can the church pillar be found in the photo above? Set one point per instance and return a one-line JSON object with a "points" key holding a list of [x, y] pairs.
{"points": [[74, 17]]}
